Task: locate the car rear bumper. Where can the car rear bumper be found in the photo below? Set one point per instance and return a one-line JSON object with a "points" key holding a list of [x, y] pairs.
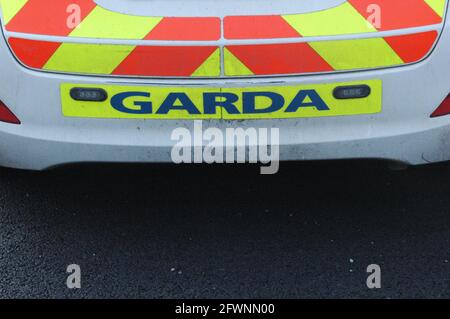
{"points": [[403, 131], [38, 153]]}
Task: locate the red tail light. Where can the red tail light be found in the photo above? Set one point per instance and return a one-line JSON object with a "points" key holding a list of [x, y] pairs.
{"points": [[6, 115], [443, 109]]}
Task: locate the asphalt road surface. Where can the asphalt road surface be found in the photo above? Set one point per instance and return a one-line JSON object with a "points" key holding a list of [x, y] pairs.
{"points": [[165, 231]]}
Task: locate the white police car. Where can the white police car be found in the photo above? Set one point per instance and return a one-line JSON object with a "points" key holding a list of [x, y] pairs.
{"points": [[108, 81]]}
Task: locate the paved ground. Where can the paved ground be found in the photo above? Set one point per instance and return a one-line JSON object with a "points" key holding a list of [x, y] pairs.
{"points": [[226, 232]]}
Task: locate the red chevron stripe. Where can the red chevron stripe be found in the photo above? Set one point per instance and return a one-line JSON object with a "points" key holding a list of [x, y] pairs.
{"points": [[186, 29], [294, 58], [258, 27], [414, 47], [397, 14], [32, 53], [48, 17], [280, 58], [164, 60]]}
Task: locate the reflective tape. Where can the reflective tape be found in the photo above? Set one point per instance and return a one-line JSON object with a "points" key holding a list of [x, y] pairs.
{"points": [[231, 103], [87, 58], [344, 19], [357, 54], [10, 8], [258, 27], [291, 54], [351, 17], [234, 66], [438, 6], [290, 58], [105, 24], [59, 18], [397, 14], [170, 61], [239, 60], [49, 17], [412, 47], [33, 54], [327, 56], [125, 60]]}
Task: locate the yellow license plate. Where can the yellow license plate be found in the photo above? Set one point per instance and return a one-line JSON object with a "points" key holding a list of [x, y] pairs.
{"points": [[265, 102]]}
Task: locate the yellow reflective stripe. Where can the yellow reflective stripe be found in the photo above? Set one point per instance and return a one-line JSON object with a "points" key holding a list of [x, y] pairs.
{"points": [[10, 8], [102, 23], [438, 6], [343, 19], [369, 105], [357, 54], [157, 96], [88, 58], [211, 67], [233, 66]]}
